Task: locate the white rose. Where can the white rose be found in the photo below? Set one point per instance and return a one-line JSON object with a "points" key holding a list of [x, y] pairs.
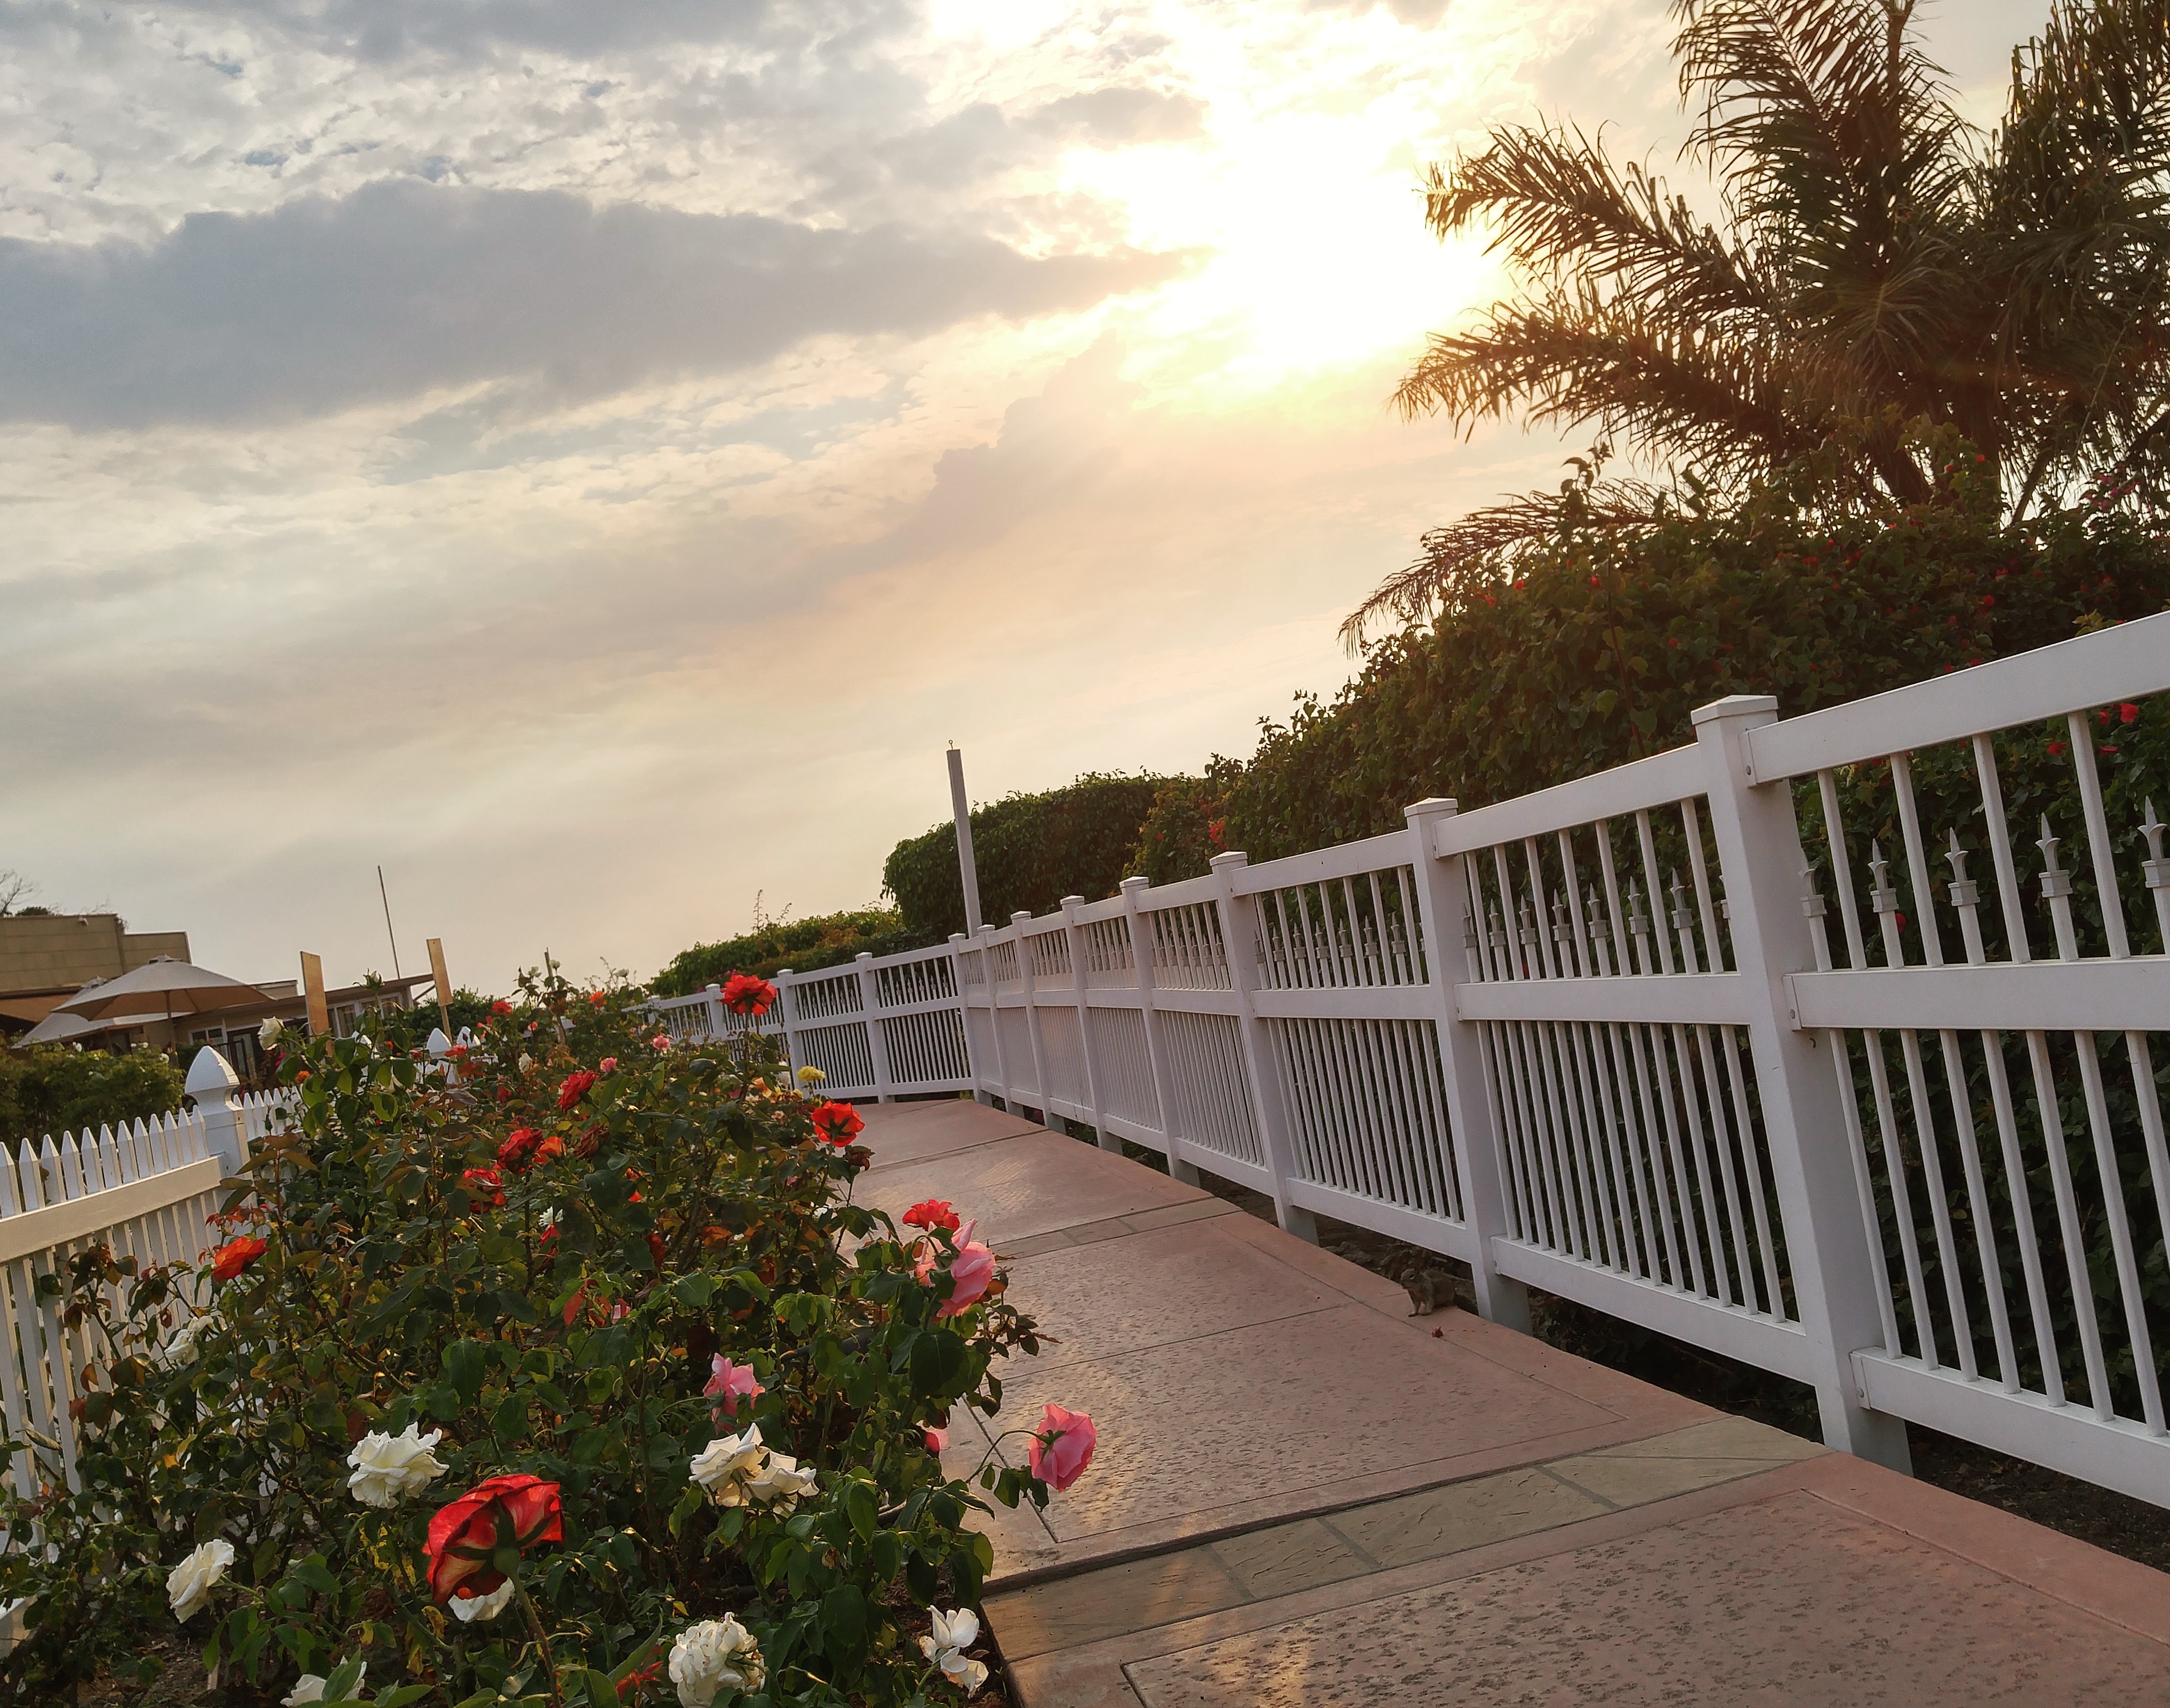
{"points": [[526, 1063], [180, 1346], [267, 1035], [953, 1633], [309, 1688], [189, 1585], [716, 1654], [470, 1608], [780, 1482], [387, 1466], [723, 1467]]}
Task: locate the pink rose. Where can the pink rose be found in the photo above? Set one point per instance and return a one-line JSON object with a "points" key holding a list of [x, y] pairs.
{"points": [[733, 1383], [1062, 1446], [608, 1064], [972, 1269]]}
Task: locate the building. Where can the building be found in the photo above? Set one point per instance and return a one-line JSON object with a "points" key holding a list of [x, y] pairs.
{"points": [[45, 958]]}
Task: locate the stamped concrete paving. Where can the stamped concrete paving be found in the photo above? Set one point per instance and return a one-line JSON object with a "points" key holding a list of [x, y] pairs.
{"points": [[1302, 1495]]}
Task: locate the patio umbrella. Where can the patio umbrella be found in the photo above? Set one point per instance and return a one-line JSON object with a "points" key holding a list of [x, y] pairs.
{"points": [[161, 987], [57, 1027]]}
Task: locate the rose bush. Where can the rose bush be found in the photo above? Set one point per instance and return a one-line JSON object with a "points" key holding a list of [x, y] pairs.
{"points": [[572, 1375]]}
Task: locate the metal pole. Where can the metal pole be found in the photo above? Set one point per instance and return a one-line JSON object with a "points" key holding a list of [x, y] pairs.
{"points": [[967, 869]]}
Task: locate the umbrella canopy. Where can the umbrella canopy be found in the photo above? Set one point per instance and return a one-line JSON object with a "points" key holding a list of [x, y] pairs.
{"points": [[160, 987], [58, 1027]]}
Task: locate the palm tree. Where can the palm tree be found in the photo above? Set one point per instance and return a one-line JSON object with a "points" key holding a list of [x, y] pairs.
{"points": [[1885, 281]]}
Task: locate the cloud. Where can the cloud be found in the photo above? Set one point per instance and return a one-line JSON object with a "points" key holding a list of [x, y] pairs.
{"points": [[405, 287]]}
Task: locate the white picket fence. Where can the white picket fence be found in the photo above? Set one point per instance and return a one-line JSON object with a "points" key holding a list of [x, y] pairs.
{"points": [[1599, 1040], [144, 1189]]}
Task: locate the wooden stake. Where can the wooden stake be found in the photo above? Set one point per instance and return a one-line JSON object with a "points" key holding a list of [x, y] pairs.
{"points": [[312, 987], [444, 985]]}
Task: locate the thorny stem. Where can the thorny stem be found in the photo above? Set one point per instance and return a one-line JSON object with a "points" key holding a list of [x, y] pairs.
{"points": [[542, 1642]]}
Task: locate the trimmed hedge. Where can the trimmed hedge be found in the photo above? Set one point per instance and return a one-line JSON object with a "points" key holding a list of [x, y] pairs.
{"points": [[804, 945], [57, 1088], [1031, 849], [1598, 654]]}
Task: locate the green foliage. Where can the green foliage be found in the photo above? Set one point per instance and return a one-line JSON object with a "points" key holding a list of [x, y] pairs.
{"points": [[1600, 651], [1031, 849], [804, 945], [1875, 273], [57, 1088], [554, 1304], [410, 1028]]}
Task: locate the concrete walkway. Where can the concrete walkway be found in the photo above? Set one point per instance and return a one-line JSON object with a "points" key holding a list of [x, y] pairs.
{"points": [[1303, 1494]]}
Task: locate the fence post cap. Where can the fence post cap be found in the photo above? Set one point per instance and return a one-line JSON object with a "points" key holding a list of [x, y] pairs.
{"points": [[1735, 706], [1140, 881], [1235, 856], [864, 955], [210, 1073], [438, 1043], [1022, 916], [718, 989], [1432, 807]]}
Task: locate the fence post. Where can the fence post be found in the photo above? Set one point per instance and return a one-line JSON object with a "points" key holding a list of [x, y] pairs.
{"points": [[1239, 940], [211, 1083], [786, 999], [1760, 858], [1141, 955], [1444, 891], [995, 1015], [877, 1039], [981, 1094], [1094, 1095], [713, 1010], [1018, 921]]}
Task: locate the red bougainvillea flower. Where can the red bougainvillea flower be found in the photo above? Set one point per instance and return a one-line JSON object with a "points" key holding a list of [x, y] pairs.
{"points": [[1061, 1447], [514, 1512], [500, 1006], [515, 1150], [235, 1256], [931, 1213], [744, 994], [838, 1123], [574, 1088], [484, 1186]]}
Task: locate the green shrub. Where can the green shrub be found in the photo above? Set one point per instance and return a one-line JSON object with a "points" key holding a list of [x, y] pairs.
{"points": [[804, 945], [58, 1088], [571, 1285], [1598, 654], [1031, 849]]}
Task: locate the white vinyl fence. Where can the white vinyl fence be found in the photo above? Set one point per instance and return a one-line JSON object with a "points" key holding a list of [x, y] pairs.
{"points": [[144, 1189], [1877, 1105]]}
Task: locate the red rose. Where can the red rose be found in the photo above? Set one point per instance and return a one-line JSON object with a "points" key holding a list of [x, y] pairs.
{"points": [[932, 1213], [654, 1246], [484, 1186], [744, 994], [598, 997], [235, 1256], [838, 1123], [500, 1006], [501, 1512], [574, 1088], [514, 1153], [550, 1148]]}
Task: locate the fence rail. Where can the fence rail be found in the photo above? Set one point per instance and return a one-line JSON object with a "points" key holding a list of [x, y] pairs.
{"points": [[1794, 1043]]}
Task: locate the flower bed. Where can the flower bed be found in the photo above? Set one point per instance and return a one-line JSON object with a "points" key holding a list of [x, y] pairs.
{"points": [[572, 1375]]}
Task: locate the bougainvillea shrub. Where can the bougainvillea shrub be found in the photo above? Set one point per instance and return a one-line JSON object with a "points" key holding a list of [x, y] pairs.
{"points": [[568, 1374]]}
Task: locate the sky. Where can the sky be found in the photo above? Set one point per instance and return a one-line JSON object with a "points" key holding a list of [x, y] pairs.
{"points": [[591, 460]]}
